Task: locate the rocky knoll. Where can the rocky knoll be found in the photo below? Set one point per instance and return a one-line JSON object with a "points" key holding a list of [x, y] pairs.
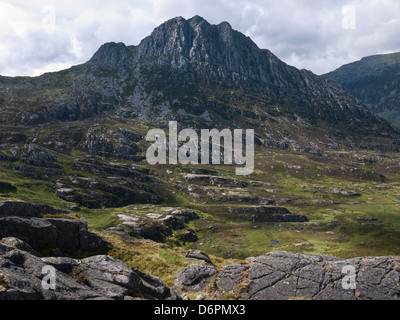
{"points": [[284, 275], [93, 278], [156, 226]]}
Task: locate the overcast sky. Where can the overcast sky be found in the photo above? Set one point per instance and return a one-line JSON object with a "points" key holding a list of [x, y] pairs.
{"points": [[38, 36]]}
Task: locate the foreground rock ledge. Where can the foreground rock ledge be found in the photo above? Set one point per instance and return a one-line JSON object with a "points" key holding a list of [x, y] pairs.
{"points": [[93, 278], [284, 275]]}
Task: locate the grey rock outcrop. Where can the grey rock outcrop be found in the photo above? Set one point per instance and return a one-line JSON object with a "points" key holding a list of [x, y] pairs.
{"points": [[110, 192], [284, 275], [39, 156], [157, 226], [94, 278], [263, 214], [22, 220], [26, 209], [120, 143], [6, 185], [39, 233]]}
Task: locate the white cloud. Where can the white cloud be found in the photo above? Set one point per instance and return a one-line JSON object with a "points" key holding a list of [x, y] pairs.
{"points": [[304, 33]]}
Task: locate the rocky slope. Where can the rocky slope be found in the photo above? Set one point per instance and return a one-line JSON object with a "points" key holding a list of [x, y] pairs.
{"points": [[375, 81]]}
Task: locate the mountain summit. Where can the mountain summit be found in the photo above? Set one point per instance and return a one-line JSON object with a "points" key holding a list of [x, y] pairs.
{"points": [[375, 81], [196, 72]]}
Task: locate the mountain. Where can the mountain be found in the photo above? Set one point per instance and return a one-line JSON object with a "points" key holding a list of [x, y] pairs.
{"points": [[375, 80], [73, 168], [199, 74]]}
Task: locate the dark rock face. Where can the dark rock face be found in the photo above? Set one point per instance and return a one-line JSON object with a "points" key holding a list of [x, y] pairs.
{"points": [[25, 209], [39, 233], [285, 275], [94, 278], [22, 220], [83, 105]]}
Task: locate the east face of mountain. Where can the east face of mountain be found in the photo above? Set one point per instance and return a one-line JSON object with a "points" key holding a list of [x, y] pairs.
{"points": [[375, 80], [200, 74]]}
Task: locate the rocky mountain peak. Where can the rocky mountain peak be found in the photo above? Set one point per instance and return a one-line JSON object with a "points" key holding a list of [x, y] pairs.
{"points": [[111, 55], [196, 39], [192, 67]]}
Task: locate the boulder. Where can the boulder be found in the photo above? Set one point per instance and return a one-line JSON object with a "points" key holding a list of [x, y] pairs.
{"points": [[194, 278], [7, 186], [189, 236], [114, 279], [198, 255]]}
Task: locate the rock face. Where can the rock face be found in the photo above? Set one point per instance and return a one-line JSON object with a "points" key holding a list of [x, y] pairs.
{"points": [[215, 52], [98, 277], [284, 275]]}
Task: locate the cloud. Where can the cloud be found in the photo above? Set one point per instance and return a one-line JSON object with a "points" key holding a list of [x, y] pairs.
{"points": [[304, 33]]}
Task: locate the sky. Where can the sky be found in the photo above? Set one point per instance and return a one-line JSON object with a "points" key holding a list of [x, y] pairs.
{"points": [[38, 36]]}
